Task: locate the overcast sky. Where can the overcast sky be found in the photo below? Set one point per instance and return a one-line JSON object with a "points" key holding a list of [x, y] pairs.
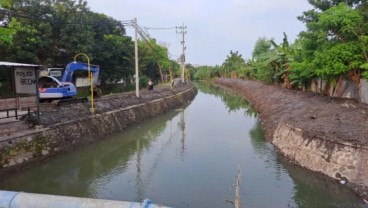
{"points": [[213, 27]]}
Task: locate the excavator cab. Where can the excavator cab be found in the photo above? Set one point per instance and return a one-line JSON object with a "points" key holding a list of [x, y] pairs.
{"points": [[50, 89]]}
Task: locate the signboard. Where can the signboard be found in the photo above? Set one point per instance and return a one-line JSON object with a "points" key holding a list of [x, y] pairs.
{"points": [[55, 73], [25, 80]]}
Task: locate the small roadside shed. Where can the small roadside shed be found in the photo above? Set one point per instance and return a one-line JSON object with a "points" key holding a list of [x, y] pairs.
{"points": [[25, 93]]}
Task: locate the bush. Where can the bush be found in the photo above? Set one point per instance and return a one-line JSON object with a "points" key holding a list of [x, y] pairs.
{"points": [[143, 80]]}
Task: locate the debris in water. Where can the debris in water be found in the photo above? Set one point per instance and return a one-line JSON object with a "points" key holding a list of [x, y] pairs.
{"points": [[366, 200]]}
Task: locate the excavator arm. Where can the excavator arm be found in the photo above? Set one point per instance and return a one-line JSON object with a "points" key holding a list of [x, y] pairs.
{"points": [[80, 66]]}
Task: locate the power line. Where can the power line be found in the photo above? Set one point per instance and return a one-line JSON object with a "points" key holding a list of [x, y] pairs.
{"points": [[159, 28], [146, 38]]}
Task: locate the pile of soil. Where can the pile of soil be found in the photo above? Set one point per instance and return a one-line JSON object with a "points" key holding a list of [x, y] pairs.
{"points": [[319, 116]]}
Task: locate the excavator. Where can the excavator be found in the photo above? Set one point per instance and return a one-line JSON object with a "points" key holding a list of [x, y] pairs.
{"points": [[60, 92]]}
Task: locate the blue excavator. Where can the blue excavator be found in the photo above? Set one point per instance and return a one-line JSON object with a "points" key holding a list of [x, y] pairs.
{"points": [[64, 91]]}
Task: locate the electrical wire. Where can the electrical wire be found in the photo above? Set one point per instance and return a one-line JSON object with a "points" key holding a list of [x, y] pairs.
{"points": [[146, 38], [159, 28]]}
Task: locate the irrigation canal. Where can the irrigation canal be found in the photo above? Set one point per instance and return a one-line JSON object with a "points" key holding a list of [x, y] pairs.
{"points": [[187, 158]]}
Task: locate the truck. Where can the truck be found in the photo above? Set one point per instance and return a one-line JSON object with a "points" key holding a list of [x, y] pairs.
{"points": [[64, 91]]}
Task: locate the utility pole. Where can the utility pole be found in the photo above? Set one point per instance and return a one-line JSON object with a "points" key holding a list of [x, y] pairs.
{"points": [[136, 57], [182, 30]]}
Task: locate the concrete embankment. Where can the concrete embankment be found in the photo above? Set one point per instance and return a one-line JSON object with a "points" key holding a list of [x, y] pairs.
{"points": [[72, 126], [323, 134]]}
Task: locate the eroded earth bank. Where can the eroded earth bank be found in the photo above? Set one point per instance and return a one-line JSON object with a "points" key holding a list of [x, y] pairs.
{"points": [[324, 134]]}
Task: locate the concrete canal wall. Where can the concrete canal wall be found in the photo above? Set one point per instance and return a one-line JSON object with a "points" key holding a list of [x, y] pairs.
{"points": [[326, 135], [342, 161], [53, 138]]}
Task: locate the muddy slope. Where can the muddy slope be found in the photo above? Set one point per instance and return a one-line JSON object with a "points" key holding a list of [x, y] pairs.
{"points": [[334, 119]]}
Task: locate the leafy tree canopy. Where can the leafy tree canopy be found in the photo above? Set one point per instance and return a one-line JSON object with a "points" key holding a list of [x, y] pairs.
{"points": [[261, 47], [52, 32], [234, 63], [334, 44]]}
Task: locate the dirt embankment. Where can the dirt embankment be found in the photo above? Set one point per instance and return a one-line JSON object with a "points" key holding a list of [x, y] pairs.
{"points": [[107, 103], [334, 119]]}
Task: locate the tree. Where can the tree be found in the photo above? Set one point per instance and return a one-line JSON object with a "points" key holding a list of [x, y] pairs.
{"points": [[234, 64], [32, 32], [311, 16], [206, 72], [46, 30], [341, 34], [191, 69], [111, 49], [72, 29], [115, 55], [6, 35], [263, 56], [154, 60], [271, 62], [335, 43], [281, 61], [261, 47], [162, 59], [147, 62], [52, 32]]}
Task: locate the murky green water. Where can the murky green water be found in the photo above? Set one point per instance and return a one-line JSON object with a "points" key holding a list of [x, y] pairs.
{"points": [[187, 158]]}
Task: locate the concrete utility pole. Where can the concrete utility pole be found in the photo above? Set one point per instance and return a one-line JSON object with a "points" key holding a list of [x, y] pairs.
{"points": [[136, 57], [182, 30]]}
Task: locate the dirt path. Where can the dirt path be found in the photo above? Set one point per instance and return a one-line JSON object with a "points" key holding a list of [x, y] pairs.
{"points": [[53, 115], [334, 119]]}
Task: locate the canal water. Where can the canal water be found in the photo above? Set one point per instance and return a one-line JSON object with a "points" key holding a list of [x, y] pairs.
{"points": [[187, 158]]}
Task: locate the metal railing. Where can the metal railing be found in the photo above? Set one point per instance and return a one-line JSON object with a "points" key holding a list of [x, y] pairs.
{"points": [[10, 199]]}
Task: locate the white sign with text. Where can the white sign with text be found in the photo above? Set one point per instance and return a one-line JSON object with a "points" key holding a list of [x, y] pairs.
{"points": [[25, 80]]}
